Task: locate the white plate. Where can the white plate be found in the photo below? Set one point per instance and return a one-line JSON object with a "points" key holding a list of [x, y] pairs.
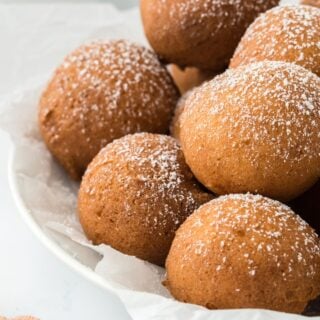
{"points": [[55, 243]]}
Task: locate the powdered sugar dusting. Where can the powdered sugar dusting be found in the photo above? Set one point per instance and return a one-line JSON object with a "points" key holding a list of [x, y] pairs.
{"points": [[271, 104], [288, 33], [254, 229], [153, 168], [200, 12], [105, 83]]}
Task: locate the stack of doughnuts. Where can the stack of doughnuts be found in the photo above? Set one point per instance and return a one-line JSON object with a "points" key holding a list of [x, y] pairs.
{"points": [[222, 202]]}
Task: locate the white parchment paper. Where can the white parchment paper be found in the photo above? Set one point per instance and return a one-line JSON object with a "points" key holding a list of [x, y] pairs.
{"points": [[50, 197]]}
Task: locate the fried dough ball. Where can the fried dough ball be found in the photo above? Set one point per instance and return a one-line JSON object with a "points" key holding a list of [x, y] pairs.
{"points": [[136, 193], [289, 33], [255, 129], [103, 91], [245, 251], [199, 33]]}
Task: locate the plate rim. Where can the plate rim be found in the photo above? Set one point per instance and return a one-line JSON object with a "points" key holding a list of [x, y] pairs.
{"points": [[44, 239]]}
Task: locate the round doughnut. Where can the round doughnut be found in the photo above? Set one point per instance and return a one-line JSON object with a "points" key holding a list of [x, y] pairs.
{"points": [[103, 91], [245, 251], [255, 129], [201, 33], [135, 194], [289, 33]]}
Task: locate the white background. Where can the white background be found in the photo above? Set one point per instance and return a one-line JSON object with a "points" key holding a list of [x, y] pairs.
{"points": [[32, 280]]}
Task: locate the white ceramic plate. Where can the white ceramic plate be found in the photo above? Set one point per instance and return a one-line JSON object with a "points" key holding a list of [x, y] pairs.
{"points": [[54, 243]]}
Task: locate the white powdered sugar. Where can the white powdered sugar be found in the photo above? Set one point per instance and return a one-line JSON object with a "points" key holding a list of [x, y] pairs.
{"points": [[106, 83], [199, 12], [288, 33], [152, 168], [253, 229], [270, 104]]}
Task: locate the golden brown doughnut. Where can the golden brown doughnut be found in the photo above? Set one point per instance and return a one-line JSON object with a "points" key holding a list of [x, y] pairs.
{"points": [[135, 194], [255, 129], [245, 251], [201, 33], [289, 33], [103, 91]]}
